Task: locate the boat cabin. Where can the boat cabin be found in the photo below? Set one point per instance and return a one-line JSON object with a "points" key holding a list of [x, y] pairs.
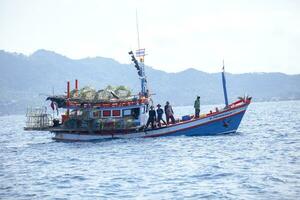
{"points": [[106, 118]]}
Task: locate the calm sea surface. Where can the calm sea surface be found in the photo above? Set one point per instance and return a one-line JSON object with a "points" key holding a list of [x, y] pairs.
{"points": [[261, 161]]}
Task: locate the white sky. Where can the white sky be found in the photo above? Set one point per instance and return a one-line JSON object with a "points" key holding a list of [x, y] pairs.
{"points": [[252, 36]]}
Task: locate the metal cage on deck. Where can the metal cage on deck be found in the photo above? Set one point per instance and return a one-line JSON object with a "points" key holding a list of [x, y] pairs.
{"points": [[38, 119]]}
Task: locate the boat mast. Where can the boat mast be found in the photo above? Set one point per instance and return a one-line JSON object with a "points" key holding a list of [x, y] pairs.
{"points": [[140, 53], [139, 64], [224, 85], [144, 88]]}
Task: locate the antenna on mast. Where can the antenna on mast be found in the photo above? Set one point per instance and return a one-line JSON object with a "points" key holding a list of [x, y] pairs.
{"points": [[137, 28]]}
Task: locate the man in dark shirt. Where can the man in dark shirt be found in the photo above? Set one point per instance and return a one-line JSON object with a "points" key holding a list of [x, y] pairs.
{"points": [[152, 118], [160, 113]]}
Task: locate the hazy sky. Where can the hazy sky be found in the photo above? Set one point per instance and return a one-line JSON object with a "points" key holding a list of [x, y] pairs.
{"points": [[252, 36]]}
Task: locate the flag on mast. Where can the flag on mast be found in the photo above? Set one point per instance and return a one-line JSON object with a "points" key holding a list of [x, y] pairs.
{"points": [[140, 52]]}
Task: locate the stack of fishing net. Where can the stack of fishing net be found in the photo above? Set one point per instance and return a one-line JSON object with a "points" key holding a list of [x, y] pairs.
{"points": [[110, 92], [122, 92]]}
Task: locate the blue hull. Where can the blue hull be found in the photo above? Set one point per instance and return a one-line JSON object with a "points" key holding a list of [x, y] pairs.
{"points": [[218, 127]]}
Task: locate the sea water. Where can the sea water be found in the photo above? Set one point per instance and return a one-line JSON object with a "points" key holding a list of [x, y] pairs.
{"points": [[260, 161]]}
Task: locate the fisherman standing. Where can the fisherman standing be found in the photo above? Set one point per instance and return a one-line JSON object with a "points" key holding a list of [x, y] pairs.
{"points": [[197, 107], [160, 113], [152, 118], [169, 113]]}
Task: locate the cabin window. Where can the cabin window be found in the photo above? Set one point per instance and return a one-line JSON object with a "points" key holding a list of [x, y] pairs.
{"points": [[97, 114], [144, 109], [135, 112], [73, 112], [106, 113], [79, 112], [116, 113], [127, 112]]}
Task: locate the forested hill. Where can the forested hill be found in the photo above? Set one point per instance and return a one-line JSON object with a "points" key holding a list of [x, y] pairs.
{"points": [[25, 80]]}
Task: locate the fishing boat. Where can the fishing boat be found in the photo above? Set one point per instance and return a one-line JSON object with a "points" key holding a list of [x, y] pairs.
{"points": [[117, 116]]}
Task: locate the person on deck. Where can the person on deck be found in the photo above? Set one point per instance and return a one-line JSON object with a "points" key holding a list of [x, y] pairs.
{"points": [[169, 113], [197, 107], [152, 118], [160, 113]]}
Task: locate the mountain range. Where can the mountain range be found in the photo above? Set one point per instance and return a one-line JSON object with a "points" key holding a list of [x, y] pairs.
{"points": [[26, 80]]}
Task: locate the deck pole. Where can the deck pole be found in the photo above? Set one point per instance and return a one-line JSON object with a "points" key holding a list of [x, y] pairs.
{"points": [[76, 88], [68, 97], [224, 85]]}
